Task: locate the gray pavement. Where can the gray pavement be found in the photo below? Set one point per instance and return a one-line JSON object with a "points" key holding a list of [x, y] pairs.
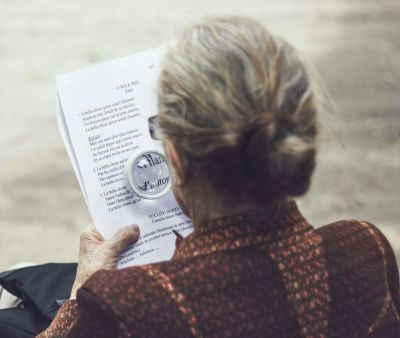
{"points": [[355, 49]]}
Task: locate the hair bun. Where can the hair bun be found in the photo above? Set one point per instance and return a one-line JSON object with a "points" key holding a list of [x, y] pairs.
{"points": [[283, 160]]}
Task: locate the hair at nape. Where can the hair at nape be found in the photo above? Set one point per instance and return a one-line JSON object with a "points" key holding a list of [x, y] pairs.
{"points": [[239, 104]]}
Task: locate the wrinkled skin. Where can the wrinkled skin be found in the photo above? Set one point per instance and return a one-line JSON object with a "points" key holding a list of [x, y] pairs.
{"points": [[96, 253]]}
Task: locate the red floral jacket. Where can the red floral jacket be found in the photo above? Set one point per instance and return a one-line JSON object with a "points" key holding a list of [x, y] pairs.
{"points": [[241, 276]]}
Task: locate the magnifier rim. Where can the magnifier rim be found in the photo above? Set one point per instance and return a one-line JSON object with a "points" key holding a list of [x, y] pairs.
{"points": [[129, 176]]}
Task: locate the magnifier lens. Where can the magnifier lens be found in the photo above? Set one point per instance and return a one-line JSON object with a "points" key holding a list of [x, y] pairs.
{"points": [[148, 175]]}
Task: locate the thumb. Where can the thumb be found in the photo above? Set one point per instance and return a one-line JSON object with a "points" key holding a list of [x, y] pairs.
{"points": [[124, 236]]}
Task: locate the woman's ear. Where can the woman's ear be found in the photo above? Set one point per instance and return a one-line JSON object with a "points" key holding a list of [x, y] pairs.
{"points": [[176, 163]]}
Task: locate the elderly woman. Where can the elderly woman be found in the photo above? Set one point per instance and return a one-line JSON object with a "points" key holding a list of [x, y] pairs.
{"points": [[238, 117]]}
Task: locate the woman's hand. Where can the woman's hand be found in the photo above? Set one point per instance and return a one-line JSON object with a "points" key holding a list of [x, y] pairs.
{"points": [[96, 253]]}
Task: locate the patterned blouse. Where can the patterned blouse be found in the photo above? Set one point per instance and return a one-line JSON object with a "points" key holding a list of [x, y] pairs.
{"points": [[241, 276]]}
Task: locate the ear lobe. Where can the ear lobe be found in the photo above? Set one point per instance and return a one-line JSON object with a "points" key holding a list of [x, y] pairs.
{"points": [[176, 163]]}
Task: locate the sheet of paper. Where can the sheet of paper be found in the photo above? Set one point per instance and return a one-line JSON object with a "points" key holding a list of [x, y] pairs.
{"points": [[68, 145], [103, 114]]}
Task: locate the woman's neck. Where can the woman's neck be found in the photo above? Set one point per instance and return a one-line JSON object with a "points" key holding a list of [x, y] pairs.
{"points": [[204, 212], [208, 205]]}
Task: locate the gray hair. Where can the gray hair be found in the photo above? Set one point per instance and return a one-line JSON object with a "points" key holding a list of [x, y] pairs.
{"points": [[238, 103]]}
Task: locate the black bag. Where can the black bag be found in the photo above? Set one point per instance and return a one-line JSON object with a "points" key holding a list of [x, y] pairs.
{"points": [[42, 288]]}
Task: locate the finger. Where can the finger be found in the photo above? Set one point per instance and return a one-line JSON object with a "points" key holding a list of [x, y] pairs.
{"points": [[89, 228], [90, 234], [125, 236], [96, 234]]}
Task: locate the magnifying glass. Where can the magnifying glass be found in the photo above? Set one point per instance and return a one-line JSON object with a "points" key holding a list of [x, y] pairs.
{"points": [[148, 174]]}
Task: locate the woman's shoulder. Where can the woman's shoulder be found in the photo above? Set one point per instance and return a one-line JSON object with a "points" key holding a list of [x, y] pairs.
{"points": [[345, 233], [357, 239], [359, 255]]}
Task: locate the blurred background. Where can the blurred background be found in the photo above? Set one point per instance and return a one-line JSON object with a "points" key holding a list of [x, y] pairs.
{"points": [[353, 45]]}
